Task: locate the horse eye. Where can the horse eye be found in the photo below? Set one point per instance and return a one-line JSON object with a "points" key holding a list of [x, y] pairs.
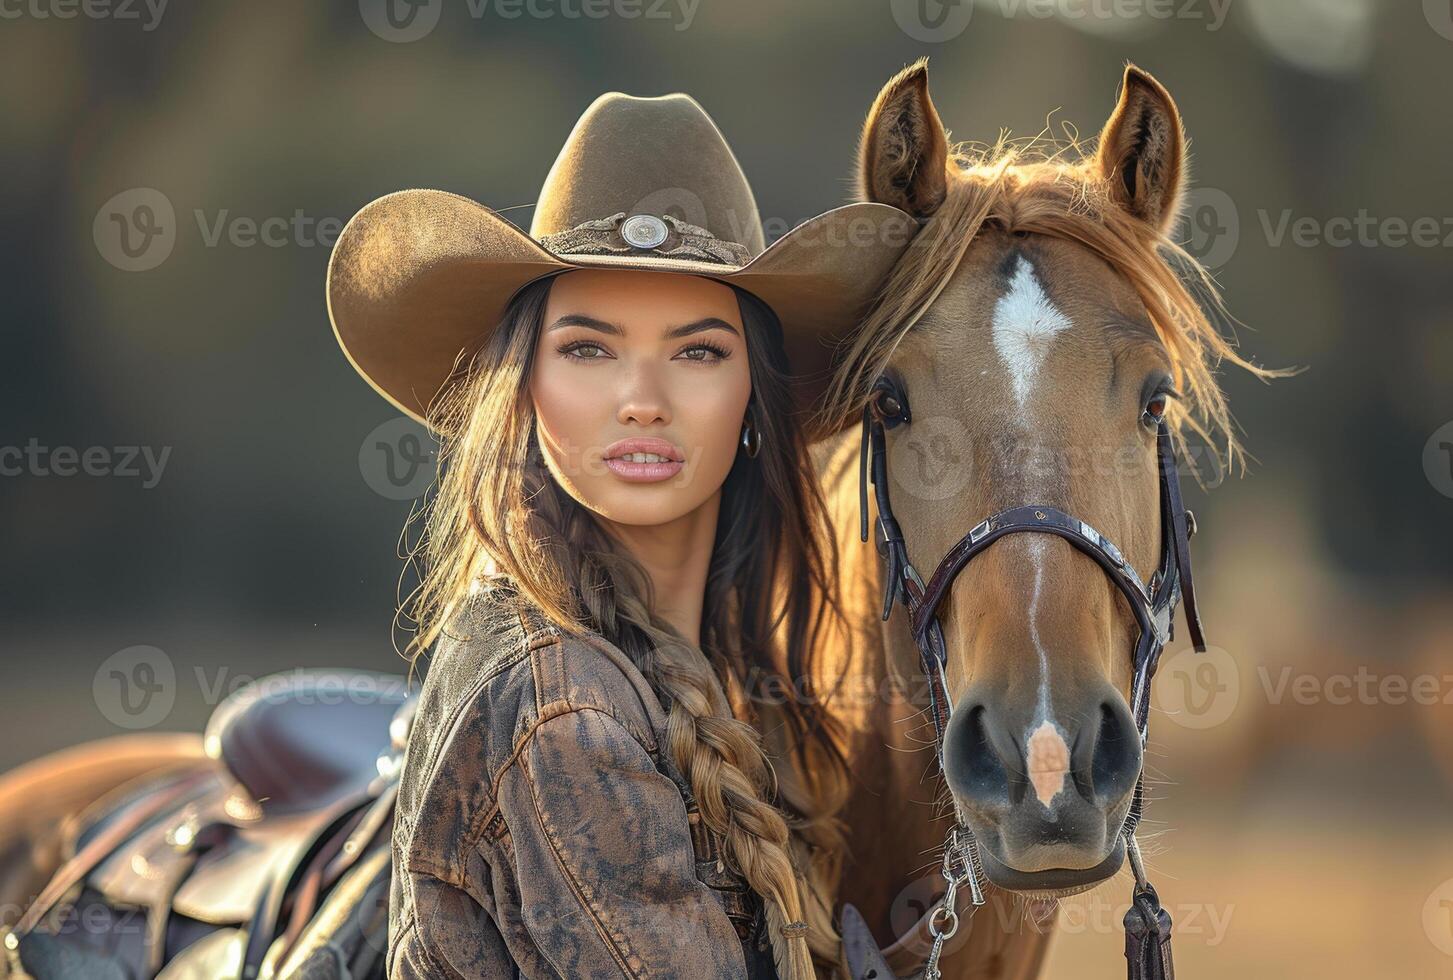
{"points": [[1156, 405], [890, 406]]}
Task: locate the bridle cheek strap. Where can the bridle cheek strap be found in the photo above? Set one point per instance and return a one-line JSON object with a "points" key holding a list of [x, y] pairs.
{"points": [[1153, 605]]}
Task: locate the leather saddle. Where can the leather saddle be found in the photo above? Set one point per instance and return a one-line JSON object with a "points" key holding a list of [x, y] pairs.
{"points": [[214, 871]]}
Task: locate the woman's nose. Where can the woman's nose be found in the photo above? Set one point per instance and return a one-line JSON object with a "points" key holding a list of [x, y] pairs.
{"points": [[643, 399]]}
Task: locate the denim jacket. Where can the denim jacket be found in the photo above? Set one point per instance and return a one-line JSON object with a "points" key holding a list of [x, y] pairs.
{"points": [[543, 831]]}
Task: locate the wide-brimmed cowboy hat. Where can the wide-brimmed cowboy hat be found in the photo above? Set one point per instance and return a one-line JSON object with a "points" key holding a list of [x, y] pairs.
{"points": [[418, 276]]}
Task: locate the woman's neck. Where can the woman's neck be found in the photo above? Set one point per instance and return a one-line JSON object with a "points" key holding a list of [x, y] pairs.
{"points": [[676, 557]]}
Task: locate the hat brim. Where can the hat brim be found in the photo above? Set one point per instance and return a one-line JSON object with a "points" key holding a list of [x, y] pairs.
{"points": [[418, 276]]}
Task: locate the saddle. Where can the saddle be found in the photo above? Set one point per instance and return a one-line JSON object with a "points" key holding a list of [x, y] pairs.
{"points": [[216, 870]]}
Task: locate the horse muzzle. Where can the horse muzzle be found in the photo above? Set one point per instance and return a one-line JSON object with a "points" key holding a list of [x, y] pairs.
{"points": [[1046, 805]]}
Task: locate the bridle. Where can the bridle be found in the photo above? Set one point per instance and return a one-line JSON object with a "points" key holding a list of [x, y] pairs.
{"points": [[1147, 924]]}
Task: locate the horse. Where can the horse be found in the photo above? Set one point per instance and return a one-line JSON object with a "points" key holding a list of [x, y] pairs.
{"points": [[1043, 326]]}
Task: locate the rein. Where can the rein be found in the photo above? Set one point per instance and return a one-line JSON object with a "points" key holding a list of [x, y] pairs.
{"points": [[1147, 924]]}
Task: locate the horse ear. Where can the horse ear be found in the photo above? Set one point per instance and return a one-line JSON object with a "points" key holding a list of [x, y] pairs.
{"points": [[1142, 151], [903, 153]]}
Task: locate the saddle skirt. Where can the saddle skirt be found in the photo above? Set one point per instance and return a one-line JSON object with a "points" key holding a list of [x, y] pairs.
{"points": [[214, 870]]}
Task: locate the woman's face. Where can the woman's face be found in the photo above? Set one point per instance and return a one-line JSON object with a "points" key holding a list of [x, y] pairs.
{"points": [[640, 384]]}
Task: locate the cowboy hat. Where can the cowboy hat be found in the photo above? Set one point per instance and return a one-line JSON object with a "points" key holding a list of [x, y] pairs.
{"points": [[418, 276]]}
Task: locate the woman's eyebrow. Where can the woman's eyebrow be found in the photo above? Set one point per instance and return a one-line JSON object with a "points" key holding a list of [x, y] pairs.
{"points": [[710, 323], [604, 326], [589, 322]]}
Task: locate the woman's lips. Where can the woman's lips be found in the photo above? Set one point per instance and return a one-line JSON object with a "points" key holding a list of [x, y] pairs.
{"points": [[633, 472], [639, 460]]}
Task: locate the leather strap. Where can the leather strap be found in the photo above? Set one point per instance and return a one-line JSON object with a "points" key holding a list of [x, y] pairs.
{"points": [[1147, 938], [99, 847], [262, 930]]}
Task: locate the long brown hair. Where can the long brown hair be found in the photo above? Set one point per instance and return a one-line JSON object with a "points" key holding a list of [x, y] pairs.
{"points": [[496, 509]]}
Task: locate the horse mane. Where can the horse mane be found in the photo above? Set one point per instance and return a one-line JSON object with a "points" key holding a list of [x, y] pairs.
{"points": [[1053, 187]]}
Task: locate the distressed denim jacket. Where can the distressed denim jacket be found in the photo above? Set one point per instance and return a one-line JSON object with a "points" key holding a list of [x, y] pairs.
{"points": [[543, 831]]}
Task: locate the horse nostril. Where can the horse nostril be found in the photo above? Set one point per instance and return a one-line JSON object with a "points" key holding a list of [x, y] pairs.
{"points": [[977, 763], [1117, 758]]}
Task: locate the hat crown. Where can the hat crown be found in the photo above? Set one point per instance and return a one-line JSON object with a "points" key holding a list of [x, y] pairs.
{"points": [[654, 156]]}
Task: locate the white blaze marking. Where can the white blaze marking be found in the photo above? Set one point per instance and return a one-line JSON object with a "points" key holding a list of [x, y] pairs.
{"points": [[1036, 556], [1024, 327], [1025, 322], [1048, 761], [1047, 757]]}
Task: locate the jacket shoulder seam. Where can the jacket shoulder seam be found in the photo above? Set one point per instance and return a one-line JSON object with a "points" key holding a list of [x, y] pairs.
{"points": [[556, 709], [552, 702]]}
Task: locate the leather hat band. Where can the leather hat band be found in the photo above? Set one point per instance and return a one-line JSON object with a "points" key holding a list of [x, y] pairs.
{"points": [[664, 237]]}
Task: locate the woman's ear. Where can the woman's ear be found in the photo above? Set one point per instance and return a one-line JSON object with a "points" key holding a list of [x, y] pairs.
{"points": [[903, 152], [1142, 151]]}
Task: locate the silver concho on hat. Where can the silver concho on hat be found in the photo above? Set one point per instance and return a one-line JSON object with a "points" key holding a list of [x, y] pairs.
{"points": [[643, 230]]}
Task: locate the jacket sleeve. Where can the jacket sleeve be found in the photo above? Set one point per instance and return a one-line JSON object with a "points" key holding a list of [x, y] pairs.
{"points": [[607, 871], [450, 938]]}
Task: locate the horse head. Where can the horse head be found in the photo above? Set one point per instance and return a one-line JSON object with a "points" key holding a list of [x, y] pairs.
{"points": [[1041, 340]]}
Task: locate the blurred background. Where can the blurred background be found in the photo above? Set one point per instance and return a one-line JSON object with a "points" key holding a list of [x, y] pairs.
{"points": [[196, 481]]}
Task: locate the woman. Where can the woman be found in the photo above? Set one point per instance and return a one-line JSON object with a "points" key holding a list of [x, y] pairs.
{"points": [[625, 530]]}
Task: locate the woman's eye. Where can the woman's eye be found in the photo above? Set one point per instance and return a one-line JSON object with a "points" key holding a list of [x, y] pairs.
{"points": [[703, 352], [584, 351]]}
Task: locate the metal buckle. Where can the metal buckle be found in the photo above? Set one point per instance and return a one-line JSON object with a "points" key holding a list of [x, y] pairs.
{"points": [[960, 867], [1162, 632], [1113, 552]]}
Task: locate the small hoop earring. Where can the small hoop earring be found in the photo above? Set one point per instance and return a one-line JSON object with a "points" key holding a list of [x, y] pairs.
{"points": [[751, 440]]}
